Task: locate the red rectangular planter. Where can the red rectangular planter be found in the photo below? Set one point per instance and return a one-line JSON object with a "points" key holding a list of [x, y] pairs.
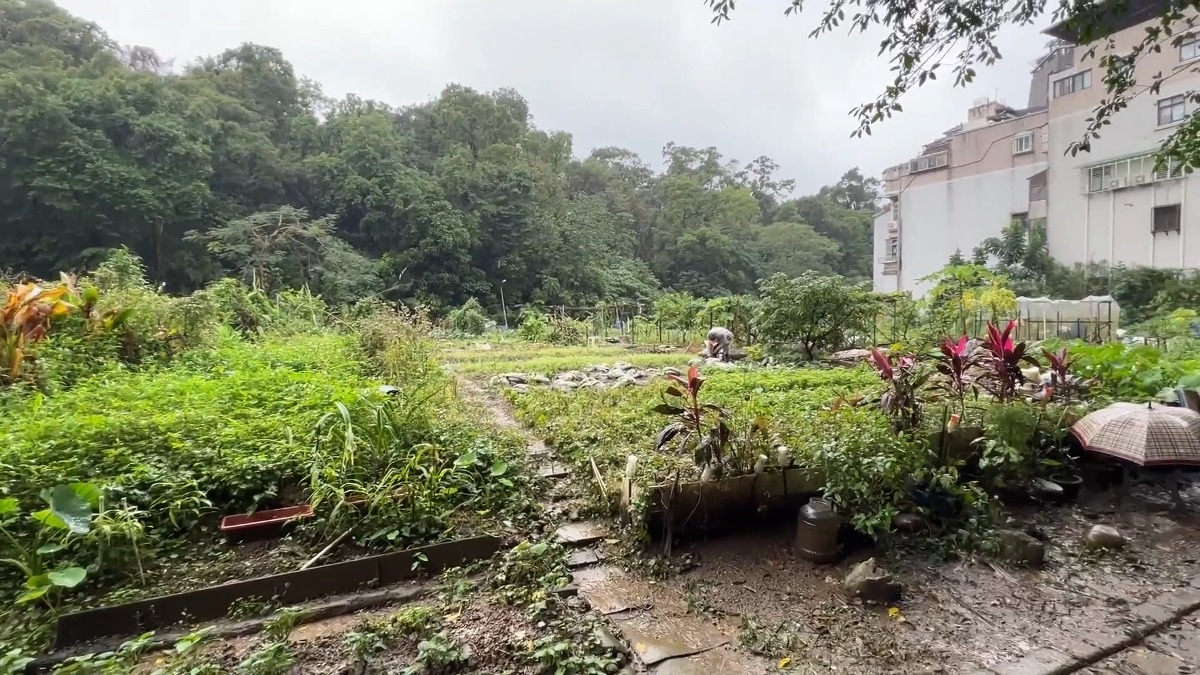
{"points": [[262, 525]]}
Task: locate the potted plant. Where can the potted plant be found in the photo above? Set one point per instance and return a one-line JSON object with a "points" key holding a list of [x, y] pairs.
{"points": [[700, 429], [1007, 456], [1055, 459]]}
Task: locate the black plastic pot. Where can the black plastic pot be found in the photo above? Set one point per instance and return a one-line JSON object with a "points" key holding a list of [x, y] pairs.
{"points": [[1013, 495], [939, 501], [1070, 484]]}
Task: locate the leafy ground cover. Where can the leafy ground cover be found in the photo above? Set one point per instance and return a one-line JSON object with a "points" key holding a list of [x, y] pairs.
{"points": [[499, 616], [607, 425], [116, 476]]}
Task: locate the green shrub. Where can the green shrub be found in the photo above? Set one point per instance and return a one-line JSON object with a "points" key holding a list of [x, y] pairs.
{"points": [[469, 319]]}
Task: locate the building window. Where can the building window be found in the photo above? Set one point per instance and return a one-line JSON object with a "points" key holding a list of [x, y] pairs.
{"points": [[1190, 48], [893, 248], [928, 162], [1072, 83], [1023, 220], [1023, 143], [1129, 173], [1172, 110], [1165, 218]]}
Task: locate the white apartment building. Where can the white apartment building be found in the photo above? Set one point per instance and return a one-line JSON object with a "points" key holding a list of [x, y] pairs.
{"points": [[1107, 205]]}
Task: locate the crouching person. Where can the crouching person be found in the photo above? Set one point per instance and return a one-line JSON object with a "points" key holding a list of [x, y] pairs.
{"points": [[719, 342]]}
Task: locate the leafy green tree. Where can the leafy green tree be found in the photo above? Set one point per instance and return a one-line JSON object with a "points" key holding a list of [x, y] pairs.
{"points": [[285, 249], [813, 312], [237, 163]]}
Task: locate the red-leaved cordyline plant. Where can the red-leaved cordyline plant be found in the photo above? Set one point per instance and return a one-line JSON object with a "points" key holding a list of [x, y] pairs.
{"points": [[904, 379], [1002, 359], [706, 441], [956, 360], [1060, 366]]}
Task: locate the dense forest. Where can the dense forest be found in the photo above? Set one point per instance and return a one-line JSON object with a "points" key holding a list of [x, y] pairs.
{"points": [[235, 164]]}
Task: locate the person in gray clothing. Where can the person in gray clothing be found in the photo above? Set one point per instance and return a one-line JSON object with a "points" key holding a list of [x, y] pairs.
{"points": [[719, 341]]}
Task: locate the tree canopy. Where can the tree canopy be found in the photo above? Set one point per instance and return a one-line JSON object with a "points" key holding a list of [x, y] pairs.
{"points": [[951, 37], [238, 165]]}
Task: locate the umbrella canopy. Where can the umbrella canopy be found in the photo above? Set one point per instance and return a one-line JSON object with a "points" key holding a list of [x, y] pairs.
{"points": [[1147, 435]]}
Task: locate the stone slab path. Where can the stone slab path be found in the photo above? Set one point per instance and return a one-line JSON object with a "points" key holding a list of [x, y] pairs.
{"points": [[664, 637], [1163, 640]]}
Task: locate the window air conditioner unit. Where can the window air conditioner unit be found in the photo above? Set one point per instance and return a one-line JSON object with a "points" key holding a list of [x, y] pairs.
{"points": [[1113, 183], [1140, 179], [893, 226]]}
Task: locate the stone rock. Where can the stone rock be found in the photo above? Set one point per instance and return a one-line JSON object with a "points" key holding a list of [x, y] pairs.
{"points": [[625, 381], [572, 376], [522, 388], [563, 385], [718, 363], [514, 378], [672, 371], [616, 374], [872, 583], [1020, 547], [621, 365], [1044, 489], [1104, 537], [539, 379], [852, 355], [909, 522]]}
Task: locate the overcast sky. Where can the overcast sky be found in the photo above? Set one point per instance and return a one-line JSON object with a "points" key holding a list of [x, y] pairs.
{"points": [[630, 73]]}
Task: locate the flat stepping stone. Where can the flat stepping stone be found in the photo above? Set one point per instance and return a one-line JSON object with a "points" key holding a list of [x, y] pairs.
{"points": [[657, 637], [581, 534], [553, 470], [584, 557], [610, 591]]}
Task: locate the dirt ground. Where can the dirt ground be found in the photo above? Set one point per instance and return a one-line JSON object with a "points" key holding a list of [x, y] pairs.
{"points": [[955, 616]]}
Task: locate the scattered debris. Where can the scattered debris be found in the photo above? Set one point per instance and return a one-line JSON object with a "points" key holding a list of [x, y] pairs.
{"points": [[872, 583], [598, 376]]}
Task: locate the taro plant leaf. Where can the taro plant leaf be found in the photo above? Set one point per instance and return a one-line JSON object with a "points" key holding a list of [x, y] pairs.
{"points": [[89, 492], [1188, 382], [499, 468], [9, 506], [35, 587], [67, 577], [667, 409], [466, 459], [53, 547], [68, 510], [674, 391]]}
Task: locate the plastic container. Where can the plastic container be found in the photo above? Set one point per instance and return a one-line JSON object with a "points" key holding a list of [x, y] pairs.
{"points": [[270, 524], [817, 532]]}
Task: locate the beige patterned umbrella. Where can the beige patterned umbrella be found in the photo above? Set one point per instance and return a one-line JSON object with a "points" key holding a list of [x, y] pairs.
{"points": [[1147, 435]]}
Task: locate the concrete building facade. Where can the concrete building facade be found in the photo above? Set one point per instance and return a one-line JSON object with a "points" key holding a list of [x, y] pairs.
{"points": [[1109, 204], [962, 188]]}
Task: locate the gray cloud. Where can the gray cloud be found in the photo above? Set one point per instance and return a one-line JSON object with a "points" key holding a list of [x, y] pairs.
{"points": [[630, 73]]}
